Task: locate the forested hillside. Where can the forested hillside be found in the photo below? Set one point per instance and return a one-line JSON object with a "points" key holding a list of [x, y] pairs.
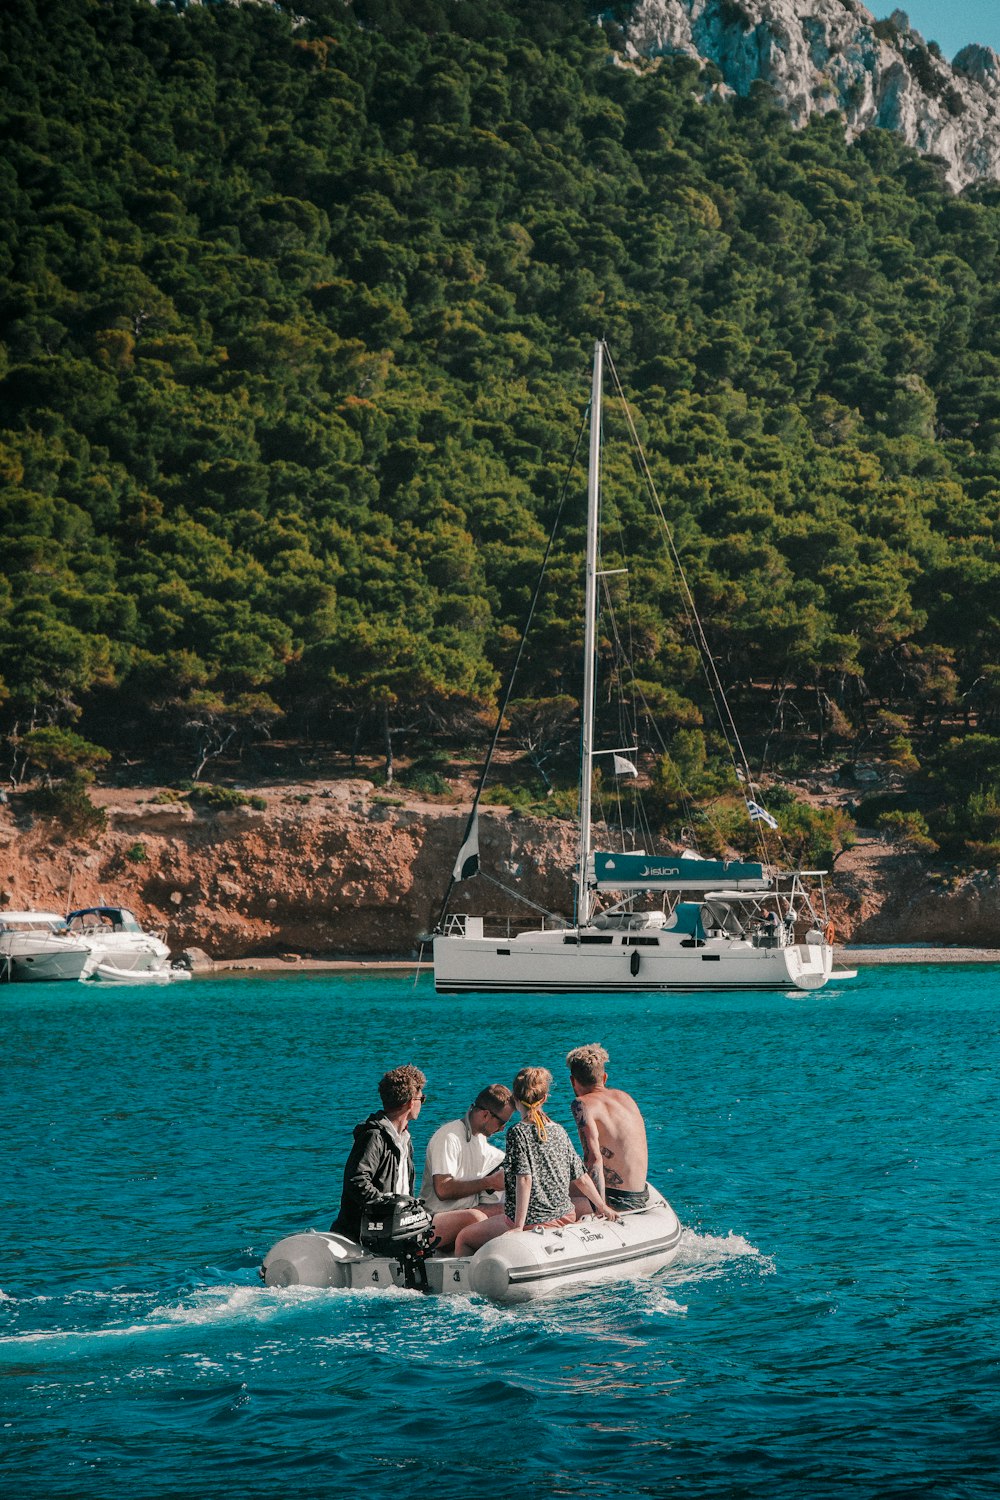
{"points": [[297, 315]]}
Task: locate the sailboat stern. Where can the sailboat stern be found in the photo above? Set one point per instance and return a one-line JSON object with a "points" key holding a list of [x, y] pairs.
{"points": [[810, 965]]}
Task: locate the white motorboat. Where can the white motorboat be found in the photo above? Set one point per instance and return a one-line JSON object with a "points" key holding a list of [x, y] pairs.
{"points": [[116, 938], [37, 945], [752, 926], [515, 1267]]}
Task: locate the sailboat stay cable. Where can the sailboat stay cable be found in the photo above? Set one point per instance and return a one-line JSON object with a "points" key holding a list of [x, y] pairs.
{"points": [[471, 823], [509, 890]]}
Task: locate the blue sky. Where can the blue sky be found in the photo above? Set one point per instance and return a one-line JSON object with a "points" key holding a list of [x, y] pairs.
{"points": [[950, 23]]}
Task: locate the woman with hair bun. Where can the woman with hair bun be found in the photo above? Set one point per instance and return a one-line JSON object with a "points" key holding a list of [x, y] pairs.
{"points": [[540, 1167]]}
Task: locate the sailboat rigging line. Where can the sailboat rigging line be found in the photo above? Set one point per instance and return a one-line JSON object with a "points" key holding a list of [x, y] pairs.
{"points": [[624, 659], [730, 732], [510, 891], [512, 677]]}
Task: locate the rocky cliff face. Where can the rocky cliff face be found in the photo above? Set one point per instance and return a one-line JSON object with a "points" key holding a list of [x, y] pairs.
{"points": [[823, 55], [334, 870], [321, 871]]}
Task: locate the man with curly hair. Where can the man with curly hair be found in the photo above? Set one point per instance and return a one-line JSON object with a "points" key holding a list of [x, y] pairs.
{"points": [[381, 1160]]}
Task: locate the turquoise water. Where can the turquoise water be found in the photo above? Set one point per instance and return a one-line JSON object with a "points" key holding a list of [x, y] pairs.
{"points": [[830, 1329]]}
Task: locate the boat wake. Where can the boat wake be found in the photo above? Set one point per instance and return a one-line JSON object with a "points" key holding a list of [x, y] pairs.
{"points": [[92, 1318], [128, 1315], [702, 1257]]}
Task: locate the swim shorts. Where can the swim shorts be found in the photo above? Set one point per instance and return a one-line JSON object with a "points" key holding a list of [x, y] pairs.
{"points": [[622, 1200]]}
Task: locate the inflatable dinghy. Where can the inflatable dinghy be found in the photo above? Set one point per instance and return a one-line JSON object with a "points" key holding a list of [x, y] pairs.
{"points": [[111, 974], [511, 1268]]}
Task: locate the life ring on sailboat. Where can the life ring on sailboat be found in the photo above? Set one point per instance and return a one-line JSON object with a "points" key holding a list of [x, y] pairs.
{"points": [[829, 933]]}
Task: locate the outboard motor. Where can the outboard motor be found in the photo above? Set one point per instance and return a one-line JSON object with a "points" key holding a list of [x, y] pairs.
{"points": [[401, 1229]]}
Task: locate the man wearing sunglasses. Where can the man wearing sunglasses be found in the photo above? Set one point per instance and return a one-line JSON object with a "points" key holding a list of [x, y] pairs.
{"points": [[462, 1169], [380, 1163]]}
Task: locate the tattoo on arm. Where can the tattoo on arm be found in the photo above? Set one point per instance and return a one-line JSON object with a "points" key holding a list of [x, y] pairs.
{"points": [[591, 1143], [580, 1116]]}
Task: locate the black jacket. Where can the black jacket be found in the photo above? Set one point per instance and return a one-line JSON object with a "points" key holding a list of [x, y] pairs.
{"points": [[370, 1174]]}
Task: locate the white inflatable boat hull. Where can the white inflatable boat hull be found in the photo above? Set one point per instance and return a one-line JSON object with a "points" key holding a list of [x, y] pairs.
{"points": [[105, 973], [512, 1268]]}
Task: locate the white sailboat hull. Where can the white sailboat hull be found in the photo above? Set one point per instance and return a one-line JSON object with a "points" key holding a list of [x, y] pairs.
{"points": [[554, 962], [512, 1268]]}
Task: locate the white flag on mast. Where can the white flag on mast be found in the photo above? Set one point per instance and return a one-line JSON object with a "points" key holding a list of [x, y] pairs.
{"points": [[623, 767], [760, 814], [467, 863]]}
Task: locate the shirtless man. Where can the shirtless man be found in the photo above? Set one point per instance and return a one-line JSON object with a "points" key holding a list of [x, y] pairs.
{"points": [[612, 1133]]}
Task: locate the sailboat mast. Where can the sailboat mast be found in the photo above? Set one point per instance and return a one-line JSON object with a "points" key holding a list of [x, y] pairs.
{"points": [[590, 634]]}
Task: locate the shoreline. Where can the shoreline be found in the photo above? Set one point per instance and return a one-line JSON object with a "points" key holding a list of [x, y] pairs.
{"points": [[917, 955], [844, 956]]}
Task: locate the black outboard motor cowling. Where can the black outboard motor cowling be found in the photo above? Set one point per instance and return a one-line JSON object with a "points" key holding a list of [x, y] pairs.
{"points": [[398, 1226]]}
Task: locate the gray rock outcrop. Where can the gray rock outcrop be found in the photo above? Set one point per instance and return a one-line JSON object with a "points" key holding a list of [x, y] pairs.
{"points": [[825, 55]]}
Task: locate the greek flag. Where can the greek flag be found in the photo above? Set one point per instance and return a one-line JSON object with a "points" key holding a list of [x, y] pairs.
{"points": [[467, 863], [760, 814], [623, 767]]}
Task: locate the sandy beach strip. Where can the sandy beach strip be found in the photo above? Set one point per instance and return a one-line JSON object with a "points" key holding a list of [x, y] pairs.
{"points": [[294, 964], [916, 955]]}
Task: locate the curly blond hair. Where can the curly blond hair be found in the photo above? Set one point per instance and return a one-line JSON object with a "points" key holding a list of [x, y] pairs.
{"points": [[587, 1064]]}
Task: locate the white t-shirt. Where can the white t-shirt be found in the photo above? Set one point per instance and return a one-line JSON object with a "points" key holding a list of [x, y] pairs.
{"points": [[453, 1151], [403, 1169]]}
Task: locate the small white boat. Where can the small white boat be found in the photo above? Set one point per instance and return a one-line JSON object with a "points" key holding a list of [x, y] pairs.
{"points": [[37, 945], [106, 973], [115, 936], [516, 1267]]}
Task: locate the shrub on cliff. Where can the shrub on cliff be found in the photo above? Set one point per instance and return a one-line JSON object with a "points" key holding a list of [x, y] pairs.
{"points": [[907, 828], [68, 804], [59, 752], [222, 798]]}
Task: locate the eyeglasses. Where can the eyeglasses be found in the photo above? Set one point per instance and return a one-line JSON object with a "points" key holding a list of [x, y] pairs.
{"points": [[493, 1114], [421, 1097]]}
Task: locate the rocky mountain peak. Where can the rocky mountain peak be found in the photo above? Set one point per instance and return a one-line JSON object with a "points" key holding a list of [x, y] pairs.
{"points": [[825, 55]]}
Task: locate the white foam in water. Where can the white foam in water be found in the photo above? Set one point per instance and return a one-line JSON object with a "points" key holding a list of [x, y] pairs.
{"points": [[225, 1304], [206, 1307], [699, 1257], [659, 1303], [702, 1256]]}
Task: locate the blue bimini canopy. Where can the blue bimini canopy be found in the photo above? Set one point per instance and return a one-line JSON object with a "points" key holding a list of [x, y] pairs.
{"points": [[665, 872]]}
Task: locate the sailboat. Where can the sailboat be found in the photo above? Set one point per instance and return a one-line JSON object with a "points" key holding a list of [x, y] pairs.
{"points": [[719, 925]]}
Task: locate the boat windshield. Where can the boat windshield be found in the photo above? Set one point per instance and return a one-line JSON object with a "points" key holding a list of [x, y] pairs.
{"points": [[117, 918], [31, 921]]}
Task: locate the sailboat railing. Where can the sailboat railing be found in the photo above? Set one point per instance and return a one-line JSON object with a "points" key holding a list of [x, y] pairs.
{"points": [[495, 925]]}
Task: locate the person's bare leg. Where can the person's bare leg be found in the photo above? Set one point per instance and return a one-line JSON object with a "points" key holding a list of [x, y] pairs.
{"points": [[450, 1222], [475, 1235]]}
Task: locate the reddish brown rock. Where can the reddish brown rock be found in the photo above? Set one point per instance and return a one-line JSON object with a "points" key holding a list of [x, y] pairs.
{"points": [[336, 870]]}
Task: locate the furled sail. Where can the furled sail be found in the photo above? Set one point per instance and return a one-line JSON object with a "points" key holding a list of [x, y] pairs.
{"points": [[467, 863]]}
